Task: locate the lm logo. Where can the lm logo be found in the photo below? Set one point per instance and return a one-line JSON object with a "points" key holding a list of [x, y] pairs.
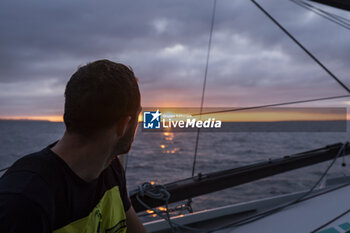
{"points": [[151, 120]]}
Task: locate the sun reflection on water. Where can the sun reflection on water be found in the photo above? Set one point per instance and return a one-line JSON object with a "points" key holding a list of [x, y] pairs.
{"points": [[168, 146]]}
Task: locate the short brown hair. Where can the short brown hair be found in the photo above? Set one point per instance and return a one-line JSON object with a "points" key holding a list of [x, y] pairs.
{"points": [[98, 94]]}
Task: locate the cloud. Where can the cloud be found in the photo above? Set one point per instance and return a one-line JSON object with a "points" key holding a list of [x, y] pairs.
{"points": [[252, 61]]}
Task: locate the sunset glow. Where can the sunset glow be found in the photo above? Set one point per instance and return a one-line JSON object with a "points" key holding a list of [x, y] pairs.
{"points": [[260, 115], [257, 115], [34, 118]]}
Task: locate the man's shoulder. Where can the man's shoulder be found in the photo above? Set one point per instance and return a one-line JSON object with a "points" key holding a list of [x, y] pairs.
{"points": [[34, 162], [22, 190], [43, 164], [29, 179]]}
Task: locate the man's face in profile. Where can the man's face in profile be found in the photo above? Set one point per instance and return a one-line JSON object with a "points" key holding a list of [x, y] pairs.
{"points": [[123, 146]]}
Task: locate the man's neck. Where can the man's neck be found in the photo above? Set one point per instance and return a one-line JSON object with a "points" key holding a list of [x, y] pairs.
{"points": [[87, 159]]}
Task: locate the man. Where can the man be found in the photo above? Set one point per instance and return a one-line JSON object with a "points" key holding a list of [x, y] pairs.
{"points": [[77, 184]]}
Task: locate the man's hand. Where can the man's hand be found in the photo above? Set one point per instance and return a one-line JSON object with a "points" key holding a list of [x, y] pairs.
{"points": [[133, 223]]}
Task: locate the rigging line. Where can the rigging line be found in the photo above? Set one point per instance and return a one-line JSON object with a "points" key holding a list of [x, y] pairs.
{"points": [[335, 16], [274, 105], [204, 83], [300, 45], [331, 221], [326, 12], [324, 15]]}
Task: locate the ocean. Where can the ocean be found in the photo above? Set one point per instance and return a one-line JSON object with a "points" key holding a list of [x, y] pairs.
{"points": [[168, 156]]}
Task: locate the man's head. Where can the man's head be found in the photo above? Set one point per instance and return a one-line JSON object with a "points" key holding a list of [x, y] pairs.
{"points": [[98, 96]]}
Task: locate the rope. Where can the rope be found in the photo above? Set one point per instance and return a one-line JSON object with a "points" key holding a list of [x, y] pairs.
{"points": [[275, 105], [155, 192], [204, 85], [331, 17], [331, 221], [335, 16], [301, 46], [126, 157], [161, 193]]}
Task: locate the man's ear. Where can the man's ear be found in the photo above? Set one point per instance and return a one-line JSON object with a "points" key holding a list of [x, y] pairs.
{"points": [[122, 125]]}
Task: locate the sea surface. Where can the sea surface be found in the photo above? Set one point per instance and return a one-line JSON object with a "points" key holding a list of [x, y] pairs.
{"points": [[165, 157]]}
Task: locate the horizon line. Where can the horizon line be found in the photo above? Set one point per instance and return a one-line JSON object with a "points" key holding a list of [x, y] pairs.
{"points": [[240, 121]]}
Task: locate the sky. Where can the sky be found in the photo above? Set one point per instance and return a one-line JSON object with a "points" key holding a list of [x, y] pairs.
{"points": [[252, 62]]}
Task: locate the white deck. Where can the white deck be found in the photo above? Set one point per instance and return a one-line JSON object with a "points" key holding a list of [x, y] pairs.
{"points": [[306, 216]]}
